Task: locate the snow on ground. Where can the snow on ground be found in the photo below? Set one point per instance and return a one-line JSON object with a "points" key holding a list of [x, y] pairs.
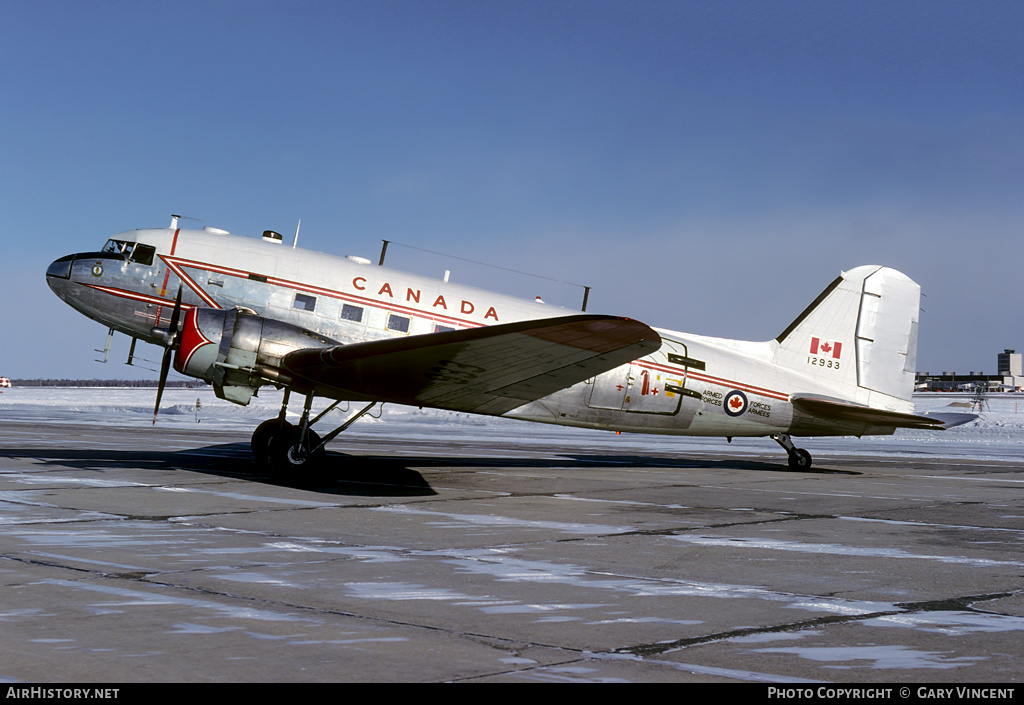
{"points": [[997, 433]]}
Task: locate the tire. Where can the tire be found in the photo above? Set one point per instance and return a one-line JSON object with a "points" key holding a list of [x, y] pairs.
{"points": [[263, 436], [800, 459], [291, 464]]}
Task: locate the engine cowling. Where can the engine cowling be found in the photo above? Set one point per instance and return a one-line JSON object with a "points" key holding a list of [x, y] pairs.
{"points": [[237, 351]]}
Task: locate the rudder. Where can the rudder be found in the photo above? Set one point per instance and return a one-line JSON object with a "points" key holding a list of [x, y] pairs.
{"points": [[859, 337]]}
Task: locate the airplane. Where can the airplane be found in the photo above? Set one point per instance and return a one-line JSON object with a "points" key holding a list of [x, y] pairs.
{"points": [[241, 313]]}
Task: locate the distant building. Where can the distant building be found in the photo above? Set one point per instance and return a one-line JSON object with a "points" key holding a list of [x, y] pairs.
{"points": [[1008, 378], [1008, 363]]}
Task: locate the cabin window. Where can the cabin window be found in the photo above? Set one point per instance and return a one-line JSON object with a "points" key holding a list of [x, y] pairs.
{"points": [[351, 313], [305, 302], [398, 323], [442, 329]]}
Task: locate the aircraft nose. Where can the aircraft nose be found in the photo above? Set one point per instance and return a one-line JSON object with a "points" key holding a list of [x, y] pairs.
{"points": [[60, 268], [58, 277]]}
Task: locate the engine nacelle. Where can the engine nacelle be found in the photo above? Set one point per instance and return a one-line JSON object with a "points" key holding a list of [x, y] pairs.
{"points": [[237, 351]]}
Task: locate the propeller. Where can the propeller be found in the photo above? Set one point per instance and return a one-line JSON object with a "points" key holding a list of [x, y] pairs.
{"points": [[173, 339]]}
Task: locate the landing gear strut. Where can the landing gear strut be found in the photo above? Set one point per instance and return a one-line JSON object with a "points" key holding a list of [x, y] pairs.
{"points": [[799, 459], [293, 452]]}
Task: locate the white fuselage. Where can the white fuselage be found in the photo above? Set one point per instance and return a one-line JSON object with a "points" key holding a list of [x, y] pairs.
{"points": [[693, 385]]}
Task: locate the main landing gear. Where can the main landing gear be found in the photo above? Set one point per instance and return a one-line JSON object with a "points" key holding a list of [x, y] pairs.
{"points": [[799, 459], [293, 452]]}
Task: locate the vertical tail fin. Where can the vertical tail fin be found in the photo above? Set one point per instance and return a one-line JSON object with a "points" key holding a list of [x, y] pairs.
{"points": [[859, 337]]}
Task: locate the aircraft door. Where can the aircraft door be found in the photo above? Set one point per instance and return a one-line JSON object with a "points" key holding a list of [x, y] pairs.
{"points": [[608, 390], [648, 386], [657, 388], [647, 391]]}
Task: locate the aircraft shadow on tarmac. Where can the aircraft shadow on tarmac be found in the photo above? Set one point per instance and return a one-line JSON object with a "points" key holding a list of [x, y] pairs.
{"points": [[370, 475]]}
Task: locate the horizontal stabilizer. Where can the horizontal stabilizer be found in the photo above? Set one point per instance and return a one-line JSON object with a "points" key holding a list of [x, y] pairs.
{"points": [[838, 410], [487, 370], [949, 420]]}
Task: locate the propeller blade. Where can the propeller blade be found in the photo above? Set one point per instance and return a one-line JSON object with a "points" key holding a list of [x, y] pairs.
{"points": [[164, 366], [175, 315], [172, 343]]}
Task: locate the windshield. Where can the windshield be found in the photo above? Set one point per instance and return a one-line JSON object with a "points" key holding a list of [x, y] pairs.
{"points": [[142, 254]]}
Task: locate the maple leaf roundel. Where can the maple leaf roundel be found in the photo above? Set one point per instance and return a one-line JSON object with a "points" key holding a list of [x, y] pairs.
{"points": [[735, 403]]}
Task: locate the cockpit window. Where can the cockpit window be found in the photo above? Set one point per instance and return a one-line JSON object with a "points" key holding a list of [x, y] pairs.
{"points": [[116, 246], [141, 254]]}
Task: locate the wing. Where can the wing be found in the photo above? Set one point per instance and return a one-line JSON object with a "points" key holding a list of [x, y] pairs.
{"points": [[838, 410], [487, 370]]}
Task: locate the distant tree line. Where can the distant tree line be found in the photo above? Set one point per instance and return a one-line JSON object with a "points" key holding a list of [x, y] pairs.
{"points": [[102, 383]]}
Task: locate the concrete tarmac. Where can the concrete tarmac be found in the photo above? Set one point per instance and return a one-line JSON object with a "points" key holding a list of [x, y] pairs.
{"points": [[154, 555]]}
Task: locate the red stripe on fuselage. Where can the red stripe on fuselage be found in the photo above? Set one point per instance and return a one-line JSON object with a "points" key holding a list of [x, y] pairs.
{"points": [[173, 264], [167, 274], [701, 377], [310, 289], [135, 296]]}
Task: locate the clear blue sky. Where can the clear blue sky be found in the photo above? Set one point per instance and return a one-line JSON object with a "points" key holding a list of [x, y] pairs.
{"points": [[705, 166]]}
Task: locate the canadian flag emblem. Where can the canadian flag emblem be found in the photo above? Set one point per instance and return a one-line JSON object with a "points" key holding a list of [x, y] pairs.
{"points": [[824, 347]]}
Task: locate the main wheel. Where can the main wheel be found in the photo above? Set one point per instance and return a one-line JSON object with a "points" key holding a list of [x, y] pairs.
{"points": [[262, 438], [292, 462], [800, 459]]}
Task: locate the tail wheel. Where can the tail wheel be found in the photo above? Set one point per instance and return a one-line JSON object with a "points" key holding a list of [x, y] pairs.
{"points": [[800, 459]]}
